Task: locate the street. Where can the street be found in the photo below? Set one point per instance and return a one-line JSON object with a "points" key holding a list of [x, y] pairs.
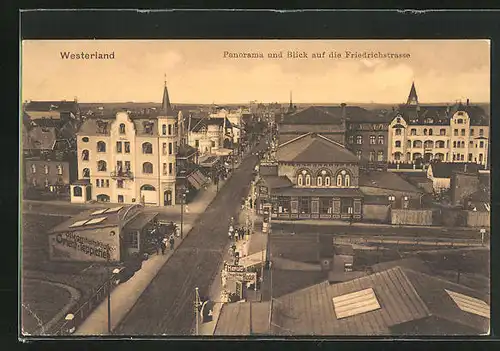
{"points": [[167, 305]]}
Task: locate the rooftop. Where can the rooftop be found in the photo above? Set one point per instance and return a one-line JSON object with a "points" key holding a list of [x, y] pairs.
{"points": [[314, 115], [314, 148], [243, 319], [386, 180], [275, 182], [445, 169], [61, 106]]}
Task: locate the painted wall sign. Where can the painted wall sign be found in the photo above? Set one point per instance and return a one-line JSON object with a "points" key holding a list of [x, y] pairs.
{"points": [[92, 245], [241, 276], [234, 268]]}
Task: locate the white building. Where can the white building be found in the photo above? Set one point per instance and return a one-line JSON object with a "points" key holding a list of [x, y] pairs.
{"points": [[458, 133], [128, 159]]}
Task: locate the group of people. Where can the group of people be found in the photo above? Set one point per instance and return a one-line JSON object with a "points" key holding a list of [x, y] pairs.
{"points": [[163, 243], [236, 234]]}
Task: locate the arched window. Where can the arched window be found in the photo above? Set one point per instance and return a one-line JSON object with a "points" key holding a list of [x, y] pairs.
{"points": [[397, 156], [147, 148], [86, 173], [425, 131], [430, 131], [77, 191], [343, 179], [454, 144], [398, 131], [462, 144], [101, 146], [147, 167], [46, 169], [122, 128], [327, 181], [347, 180], [85, 155], [300, 180], [319, 181], [59, 170], [429, 144], [148, 187], [372, 139], [359, 139], [408, 144], [417, 144], [33, 168], [380, 156], [308, 179], [413, 131], [440, 144], [101, 166], [381, 139], [398, 143], [339, 180]]}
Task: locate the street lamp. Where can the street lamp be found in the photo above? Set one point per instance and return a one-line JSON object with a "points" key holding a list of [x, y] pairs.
{"points": [[183, 201], [110, 276]]}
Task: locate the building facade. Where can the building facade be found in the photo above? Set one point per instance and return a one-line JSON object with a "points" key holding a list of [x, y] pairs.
{"points": [[419, 133], [131, 160]]}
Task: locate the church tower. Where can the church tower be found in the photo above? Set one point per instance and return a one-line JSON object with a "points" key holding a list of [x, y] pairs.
{"points": [[412, 97]]}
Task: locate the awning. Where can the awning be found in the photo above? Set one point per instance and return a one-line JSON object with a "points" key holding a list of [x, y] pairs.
{"points": [[141, 220], [193, 181], [209, 161], [197, 179], [223, 152]]}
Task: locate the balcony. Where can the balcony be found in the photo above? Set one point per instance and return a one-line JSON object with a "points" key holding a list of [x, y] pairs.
{"points": [[122, 175]]}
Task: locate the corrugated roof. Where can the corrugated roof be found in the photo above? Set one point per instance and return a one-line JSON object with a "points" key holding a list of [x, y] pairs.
{"points": [[386, 180], [314, 148]]}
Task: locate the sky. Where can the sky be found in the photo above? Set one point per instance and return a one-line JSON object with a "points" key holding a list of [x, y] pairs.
{"points": [[196, 71]]}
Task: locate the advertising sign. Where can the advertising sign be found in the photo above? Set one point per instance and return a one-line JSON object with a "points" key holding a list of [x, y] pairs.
{"points": [[86, 245], [241, 276], [234, 268]]}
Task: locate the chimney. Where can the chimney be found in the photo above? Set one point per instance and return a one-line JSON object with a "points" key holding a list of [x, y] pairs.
{"points": [[343, 111]]}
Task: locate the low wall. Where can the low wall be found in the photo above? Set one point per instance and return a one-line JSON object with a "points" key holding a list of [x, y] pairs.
{"points": [[412, 217], [376, 213], [477, 219]]}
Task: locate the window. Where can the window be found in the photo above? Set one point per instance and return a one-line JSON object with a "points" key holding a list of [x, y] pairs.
{"points": [[347, 180], [430, 132], [408, 144], [413, 131], [417, 144], [120, 198], [164, 148], [319, 181], [127, 147], [35, 183], [119, 147], [169, 129], [455, 132], [101, 166], [175, 147], [359, 154], [480, 158], [122, 128], [425, 131], [119, 183], [283, 204], [442, 131], [165, 169], [462, 132], [170, 168], [46, 183], [97, 183], [197, 143], [308, 180], [170, 148], [471, 144], [101, 146], [461, 157], [147, 167], [397, 156], [300, 180], [304, 205], [325, 205], [469, 158], [398, 131], [462, 144], [77, 191], [481, 132], [471, 132], [350, 139], [147, 148], [127, 166], [85, 155], [380, 156], [397, 143], [119, 166], [86, 173], [381, 139], [327, 181], [213, 143], [398, 120], [454, 144], [346, 205], [107, 183], [164, 129], [372, 139], [460, 121], [372, 156], [85, 139], [359, 139], [33, 169], [339, 180], [481, 144], [46, 169]]}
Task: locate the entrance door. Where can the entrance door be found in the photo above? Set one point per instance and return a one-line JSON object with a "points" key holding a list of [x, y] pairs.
{"points": [[167, 198]]}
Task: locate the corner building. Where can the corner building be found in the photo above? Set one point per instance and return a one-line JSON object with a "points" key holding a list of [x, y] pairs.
{"points": [[129, 159]]}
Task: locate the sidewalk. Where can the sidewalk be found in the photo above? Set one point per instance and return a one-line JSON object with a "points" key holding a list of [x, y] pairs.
{"points": [[125, 295]]}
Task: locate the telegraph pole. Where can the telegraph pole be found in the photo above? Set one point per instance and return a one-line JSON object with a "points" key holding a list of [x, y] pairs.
{"points": [[182, 213], [196, 306], [109, 290]]}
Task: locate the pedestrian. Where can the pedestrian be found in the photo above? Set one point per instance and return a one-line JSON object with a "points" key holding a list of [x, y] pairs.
{"points": [[236, 234], [242, 233], [230, 235], [171, 242], [163, 247]]}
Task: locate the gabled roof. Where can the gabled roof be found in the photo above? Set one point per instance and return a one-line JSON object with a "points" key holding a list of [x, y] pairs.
{"points": [[198, 123], [313, 115], [386, 180], [314, 148], [446, 169]]}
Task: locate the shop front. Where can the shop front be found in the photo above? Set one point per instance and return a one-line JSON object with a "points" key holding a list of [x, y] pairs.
{"points": [[343, 204]]}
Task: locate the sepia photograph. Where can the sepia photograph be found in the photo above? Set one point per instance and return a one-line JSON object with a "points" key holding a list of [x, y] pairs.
{"points": [[270, 188]]}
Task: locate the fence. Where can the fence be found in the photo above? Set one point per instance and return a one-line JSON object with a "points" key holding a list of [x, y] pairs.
{"points": [[67, 327], [477, 219], [412, 217]]}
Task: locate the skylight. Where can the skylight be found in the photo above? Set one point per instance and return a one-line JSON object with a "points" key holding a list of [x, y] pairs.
{"points": [[355, 303], [99, 211], [470, 304], [95, 220], [78, 223], [113, 210]]}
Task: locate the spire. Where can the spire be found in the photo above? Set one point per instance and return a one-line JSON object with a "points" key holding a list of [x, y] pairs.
{"points": [[412, 98], [291, 104], [166, 107]]}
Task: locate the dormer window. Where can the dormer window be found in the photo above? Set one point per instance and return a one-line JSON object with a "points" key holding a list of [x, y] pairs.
{"points": [[122, 128], [398, 120], [460, 121]]}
